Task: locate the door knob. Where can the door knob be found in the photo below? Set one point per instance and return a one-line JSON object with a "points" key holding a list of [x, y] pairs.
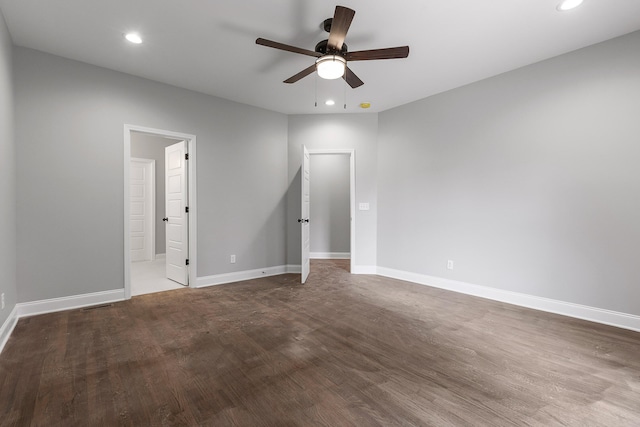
{"points": [[165, 219], [306, 220]]}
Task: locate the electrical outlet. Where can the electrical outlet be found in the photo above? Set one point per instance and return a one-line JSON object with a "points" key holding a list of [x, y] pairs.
{"points": [[2, 300], [233, 259], [450, 264]]}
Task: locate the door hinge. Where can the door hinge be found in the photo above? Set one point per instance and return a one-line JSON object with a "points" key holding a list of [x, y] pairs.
{"points": [[187, 261], [186, 209], [186, 156]]}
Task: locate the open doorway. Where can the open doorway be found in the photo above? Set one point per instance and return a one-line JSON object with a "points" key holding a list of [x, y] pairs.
{"points": [[344, 158], [149, 216], [330, 236], [160, 226]]}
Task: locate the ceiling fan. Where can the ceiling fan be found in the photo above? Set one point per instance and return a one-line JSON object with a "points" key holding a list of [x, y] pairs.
{"points": [[332, 54]]}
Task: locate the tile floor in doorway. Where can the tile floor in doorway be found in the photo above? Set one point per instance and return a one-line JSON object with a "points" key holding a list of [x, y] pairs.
{"points": [[149, 276]]}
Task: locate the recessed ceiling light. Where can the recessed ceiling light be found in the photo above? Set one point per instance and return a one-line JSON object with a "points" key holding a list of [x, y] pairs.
{"points": [[365, 104], [569, 4], [133, 38], [330, 102]]}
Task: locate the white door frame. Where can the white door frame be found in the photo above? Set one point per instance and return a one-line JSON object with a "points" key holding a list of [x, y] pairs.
{"points": [[192, 198], [150, 214], [352, 193]]}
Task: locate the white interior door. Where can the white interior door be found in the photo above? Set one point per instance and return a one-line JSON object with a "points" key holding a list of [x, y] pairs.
{"points": [[304, 217], [142, 207], [177, 224]]}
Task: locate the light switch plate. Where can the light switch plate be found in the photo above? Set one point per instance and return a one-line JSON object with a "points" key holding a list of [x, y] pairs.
{"points": [[364, 206]]}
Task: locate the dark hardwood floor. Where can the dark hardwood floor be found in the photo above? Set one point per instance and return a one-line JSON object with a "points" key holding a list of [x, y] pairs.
{"points": [[341, 350]]}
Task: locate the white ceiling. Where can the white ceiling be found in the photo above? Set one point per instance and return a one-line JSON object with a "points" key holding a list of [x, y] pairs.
{"points": [[209, 45]]}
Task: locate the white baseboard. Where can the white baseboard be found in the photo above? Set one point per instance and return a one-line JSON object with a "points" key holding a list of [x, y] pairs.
{"points": [[364, 269], [593, 314], [238, 276], [294, 269], [161, 256], [330, 255], [7, 327], [68, 303]]}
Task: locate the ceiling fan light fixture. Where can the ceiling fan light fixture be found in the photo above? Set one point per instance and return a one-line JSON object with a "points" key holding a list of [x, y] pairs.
{"points": [[569, 4], [331, 66]]}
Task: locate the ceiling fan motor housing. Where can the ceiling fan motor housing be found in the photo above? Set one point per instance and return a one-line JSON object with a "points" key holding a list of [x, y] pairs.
{"points": [[321, 47]]}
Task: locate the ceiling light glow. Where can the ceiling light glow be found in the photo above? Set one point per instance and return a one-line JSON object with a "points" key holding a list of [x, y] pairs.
{"points": [[569, 4], [133, 38], [330, 102], [331, 66]]}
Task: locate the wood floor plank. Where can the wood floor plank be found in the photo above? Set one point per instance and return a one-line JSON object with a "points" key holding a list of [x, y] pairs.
{"points": [[341, 350]]}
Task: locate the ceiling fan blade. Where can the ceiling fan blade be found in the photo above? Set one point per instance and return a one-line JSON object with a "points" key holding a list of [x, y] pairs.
{"points": [[339, 26], [388, 53], [286, 47], [351, 78], [301, 74]]}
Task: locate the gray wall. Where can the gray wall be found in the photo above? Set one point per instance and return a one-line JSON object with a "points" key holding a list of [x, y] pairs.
{"points": [[146, 146], [356, 131], [529, 180], [7, 177], [69, 129], [329, 208]]}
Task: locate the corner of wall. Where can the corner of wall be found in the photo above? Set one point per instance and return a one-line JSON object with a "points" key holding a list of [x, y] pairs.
{"points": [[8, 245]]}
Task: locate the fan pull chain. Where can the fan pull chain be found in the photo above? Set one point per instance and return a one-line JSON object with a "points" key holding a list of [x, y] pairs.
{"points": [[316, 104], [345, 94]]}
